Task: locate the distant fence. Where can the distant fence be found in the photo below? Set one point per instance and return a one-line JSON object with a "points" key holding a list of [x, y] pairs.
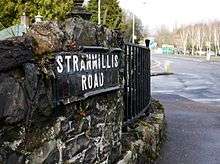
{"points": [[137, 82]]}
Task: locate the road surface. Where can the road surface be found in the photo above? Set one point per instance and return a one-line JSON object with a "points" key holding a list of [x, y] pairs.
{"points": [[192, 101], [195, 79]]}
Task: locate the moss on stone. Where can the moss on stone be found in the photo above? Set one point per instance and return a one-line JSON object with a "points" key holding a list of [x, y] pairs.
{"points": [[145, 136], [157, 106]]}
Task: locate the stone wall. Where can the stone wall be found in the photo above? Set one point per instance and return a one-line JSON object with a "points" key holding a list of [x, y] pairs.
{"points": [[35, 130], [32, 128], [142, 141]]}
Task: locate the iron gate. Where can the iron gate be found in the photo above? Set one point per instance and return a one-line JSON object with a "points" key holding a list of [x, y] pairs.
{"points": [[137, 82]]}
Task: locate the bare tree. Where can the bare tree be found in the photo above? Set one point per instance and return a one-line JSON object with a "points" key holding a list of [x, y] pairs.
{"points": [[200, 37], [163, 36], [195, 37], [139, 28], [192, 35], [184, 35], [209, 35], [216, 37]]}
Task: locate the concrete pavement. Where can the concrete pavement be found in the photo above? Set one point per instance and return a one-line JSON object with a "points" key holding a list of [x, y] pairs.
{"points": [[193, 132]]}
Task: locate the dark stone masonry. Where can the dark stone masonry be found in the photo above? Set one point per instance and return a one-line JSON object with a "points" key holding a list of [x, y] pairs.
{"points": [[33, 129]]}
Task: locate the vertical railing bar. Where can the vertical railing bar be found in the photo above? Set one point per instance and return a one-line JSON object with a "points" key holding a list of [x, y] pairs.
{"points": [[125, 85], [133, 82], [142, 86], [145, 62], [128, 75], [132, 73], [149, 74], [130, 84], [140, 98], [145, 77], [142, 80], [136, 80], [139, 86], [147, 69]]}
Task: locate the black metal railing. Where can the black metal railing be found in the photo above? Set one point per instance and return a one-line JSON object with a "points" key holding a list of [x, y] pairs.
{"points": [[67, 86], [137, 82]]}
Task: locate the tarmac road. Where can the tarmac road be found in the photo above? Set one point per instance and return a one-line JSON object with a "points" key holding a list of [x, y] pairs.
{"points": [[191, 99], [195, 79]]}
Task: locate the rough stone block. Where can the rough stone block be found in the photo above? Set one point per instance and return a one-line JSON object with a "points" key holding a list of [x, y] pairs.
{"points": [[13, 107], [15, 51], [141, 144], [48, 37]]}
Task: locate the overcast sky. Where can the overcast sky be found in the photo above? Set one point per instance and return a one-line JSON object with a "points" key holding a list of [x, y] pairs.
{"points": [[170, 13], [155, 13]]}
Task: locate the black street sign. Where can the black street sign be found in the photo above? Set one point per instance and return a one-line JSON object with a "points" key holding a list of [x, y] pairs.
{"points": [[91, 71]]}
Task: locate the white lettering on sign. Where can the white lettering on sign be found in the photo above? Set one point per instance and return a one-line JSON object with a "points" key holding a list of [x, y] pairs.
{"points": [[89, 62], [68, 62], [59, 62], [93, 62], [116, 61], [92, 81], [75, 63], [83, 65], [103, 63], [99, 61]]}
